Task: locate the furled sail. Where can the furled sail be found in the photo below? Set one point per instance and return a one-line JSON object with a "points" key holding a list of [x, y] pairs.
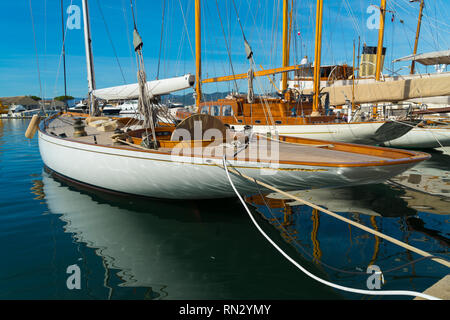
{"points": [[155, 88], [391, 90]]}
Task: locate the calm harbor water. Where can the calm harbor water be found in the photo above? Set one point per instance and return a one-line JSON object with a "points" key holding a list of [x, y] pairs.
{"points": [[133, 248]]}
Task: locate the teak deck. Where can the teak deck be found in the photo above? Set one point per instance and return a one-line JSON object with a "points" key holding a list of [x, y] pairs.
{"points": [[289, 150]]}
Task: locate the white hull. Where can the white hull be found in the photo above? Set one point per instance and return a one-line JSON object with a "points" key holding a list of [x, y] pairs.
{"points": [[161, 175], [129, 108], [128, 112], [422, 138], [370, 133]]}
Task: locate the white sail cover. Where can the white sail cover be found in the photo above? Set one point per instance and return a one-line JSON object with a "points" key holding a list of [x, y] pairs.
{"points": [[391, 90], [429, 58], [155, 88]]}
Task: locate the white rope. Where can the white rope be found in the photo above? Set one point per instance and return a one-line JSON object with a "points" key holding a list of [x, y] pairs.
{"points": [[266, 107], [61, 56], [328, 283], [186, 29]]}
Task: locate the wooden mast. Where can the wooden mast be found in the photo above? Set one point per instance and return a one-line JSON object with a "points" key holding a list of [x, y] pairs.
{"points": [[413, 63], [380, 49], [285, 43], [89, 56], [317, 55], [198, 53], [380, 40], [353, 80], [291, 22], [64, 54]]}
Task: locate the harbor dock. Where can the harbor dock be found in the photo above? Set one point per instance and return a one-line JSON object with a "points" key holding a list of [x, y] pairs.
{"points": [[440, 289]]}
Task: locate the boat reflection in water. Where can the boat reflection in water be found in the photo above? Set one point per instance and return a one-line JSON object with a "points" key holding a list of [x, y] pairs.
{"points": [[210, 249], [178, 250], [344, 252], [431, 177]]}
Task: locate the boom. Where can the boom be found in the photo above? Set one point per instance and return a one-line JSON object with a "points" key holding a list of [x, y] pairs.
{"points": [[256, 74]]}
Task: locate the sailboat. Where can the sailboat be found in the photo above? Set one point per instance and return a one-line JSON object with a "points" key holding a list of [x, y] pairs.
{"points": [[437, 134], [426, 137], [185, 161], [295, 114], [398, 89]]}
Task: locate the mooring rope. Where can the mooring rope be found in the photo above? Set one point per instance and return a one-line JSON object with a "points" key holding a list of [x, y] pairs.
{"points": [[323, 263], [328, 283]]}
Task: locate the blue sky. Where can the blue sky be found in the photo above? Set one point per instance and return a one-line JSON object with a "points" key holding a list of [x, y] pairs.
{"points": [[344, 22]]}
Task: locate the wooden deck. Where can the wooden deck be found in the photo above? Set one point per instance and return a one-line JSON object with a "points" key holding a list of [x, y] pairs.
{"points": [[281, 151]]}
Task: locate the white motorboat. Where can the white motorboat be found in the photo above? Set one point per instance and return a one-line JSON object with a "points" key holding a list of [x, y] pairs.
{"points": [[129, 108], [80, 107], [110, 109]]}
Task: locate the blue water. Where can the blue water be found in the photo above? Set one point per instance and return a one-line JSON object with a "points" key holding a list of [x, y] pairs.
{"points": [[130, 248]]}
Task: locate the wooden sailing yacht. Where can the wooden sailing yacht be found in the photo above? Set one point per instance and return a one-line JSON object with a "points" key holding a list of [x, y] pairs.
{"points": [[402, 88], [185, 161], [294, 114]]}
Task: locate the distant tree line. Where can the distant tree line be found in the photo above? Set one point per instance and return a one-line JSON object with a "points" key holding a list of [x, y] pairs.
{"points": [[63, 98], [59, 98]]}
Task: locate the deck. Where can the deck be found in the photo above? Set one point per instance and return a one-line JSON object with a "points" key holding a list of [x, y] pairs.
{"points": [[266, 150]]}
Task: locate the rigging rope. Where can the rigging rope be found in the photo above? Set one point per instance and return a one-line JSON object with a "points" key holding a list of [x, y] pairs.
{"points": [[61, 55], [161, 39], [110, 41], [132, 13], [239, 20], [266, 108], [64, 52], [228, 49], [44, 93], [37, 57], [129, 42], [148, 105], [186, 29]]}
